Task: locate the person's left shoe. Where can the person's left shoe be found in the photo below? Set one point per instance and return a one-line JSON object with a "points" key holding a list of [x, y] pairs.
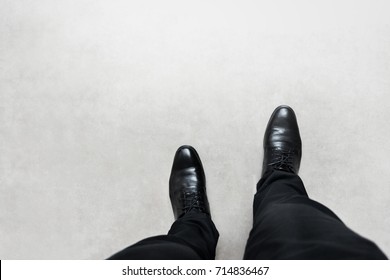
{"points": [[187, 183]]}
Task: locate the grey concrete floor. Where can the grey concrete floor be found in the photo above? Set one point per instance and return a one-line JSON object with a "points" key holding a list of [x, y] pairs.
{"points": [[96, 96]]}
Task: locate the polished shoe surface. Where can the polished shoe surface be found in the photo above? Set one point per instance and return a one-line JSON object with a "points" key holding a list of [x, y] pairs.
{"points": [[187, 183], [282, 142]]}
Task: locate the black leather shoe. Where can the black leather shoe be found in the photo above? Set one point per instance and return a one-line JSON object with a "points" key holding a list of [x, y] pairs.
{"points": [[187, 184], [282, 142]]}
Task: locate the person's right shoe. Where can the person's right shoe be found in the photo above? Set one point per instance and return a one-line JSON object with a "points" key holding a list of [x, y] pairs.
{"points": [[282, 142]]}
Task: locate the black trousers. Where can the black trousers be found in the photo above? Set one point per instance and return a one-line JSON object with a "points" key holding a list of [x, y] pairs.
{"points": [[287, 224]]}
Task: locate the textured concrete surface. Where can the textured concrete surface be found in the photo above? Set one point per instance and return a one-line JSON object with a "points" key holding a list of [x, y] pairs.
{"points": [[97, 95]]}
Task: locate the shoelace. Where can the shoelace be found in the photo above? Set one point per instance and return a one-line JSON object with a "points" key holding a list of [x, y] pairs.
{"points": [[194, 201], [283, 160]]}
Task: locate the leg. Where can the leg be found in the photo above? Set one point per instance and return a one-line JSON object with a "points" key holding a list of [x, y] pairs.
{"points": [[193, 235], [289, 225]]}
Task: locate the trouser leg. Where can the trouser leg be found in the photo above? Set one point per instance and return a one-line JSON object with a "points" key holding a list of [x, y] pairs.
{"points": [[194, 236], [289, 225]]}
